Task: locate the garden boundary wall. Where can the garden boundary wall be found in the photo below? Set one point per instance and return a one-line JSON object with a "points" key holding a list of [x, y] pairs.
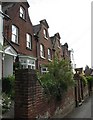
{"points": [[30, 101]]}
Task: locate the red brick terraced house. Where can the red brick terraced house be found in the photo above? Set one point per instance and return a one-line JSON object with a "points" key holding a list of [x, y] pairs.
{"points": [[18, 31], [30, 44], [68, 55], [56, 46], [44, 46], [8, 52], [66, 52]]}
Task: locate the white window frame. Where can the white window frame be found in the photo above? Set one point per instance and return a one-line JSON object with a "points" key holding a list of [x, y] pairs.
{"points": [[42, 52], [49, 54], [27, 63], [22, 12], [58, 43], [44, 71], [45, 33], [14, 34], [28, 41]]}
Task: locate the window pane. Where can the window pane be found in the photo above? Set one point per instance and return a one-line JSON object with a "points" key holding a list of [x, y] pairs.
{"points": [[49, 54], [42, 51], [45, 33], [22, 12], [29, 66], [33, 67], [14, 34], [14, 29], [44, 70], [28, 38], [13, 38]]}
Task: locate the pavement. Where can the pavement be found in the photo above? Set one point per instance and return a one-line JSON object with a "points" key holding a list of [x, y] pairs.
{"points": [[83, 111]]}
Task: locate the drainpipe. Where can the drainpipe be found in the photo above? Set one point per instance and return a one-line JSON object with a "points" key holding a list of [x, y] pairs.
{"points": [[1, 37], [37, 51], [2, 66], [3, 55]]}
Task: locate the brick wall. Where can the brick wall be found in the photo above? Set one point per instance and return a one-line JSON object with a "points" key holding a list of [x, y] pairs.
{"points": [[56, 46], [85, 91], [24, 26], [47, 44], [30, 101]]}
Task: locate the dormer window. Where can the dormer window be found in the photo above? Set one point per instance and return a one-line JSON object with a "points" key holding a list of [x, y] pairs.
{"points": [[22, 12], [45, 33]]}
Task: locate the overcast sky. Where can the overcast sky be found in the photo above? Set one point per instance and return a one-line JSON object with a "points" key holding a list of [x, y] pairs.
{"points": [[72, 19]]}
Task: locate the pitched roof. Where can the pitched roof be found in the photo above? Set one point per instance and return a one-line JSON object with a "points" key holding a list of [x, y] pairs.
{"points": [[57, 35], [53, 38], [36, 29], [44, 22], [7, 5]]}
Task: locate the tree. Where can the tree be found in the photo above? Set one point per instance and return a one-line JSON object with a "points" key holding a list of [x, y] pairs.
{"points": [[58, 78]]}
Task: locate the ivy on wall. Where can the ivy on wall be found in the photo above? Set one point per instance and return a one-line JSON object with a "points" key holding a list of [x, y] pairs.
{"points": [[84, 79], [89, 78]]}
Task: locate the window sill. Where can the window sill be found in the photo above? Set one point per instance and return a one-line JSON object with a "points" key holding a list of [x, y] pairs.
{"points": [[15, 43], [46, 38], [43, 57], [29, 48], [22, 19], [59, 47], [50, 60]]}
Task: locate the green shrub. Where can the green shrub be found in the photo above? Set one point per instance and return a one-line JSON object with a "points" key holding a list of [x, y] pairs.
{"points": [[89, 78], [6, 103], [83, 78], [58, 78], [8, 86]]}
